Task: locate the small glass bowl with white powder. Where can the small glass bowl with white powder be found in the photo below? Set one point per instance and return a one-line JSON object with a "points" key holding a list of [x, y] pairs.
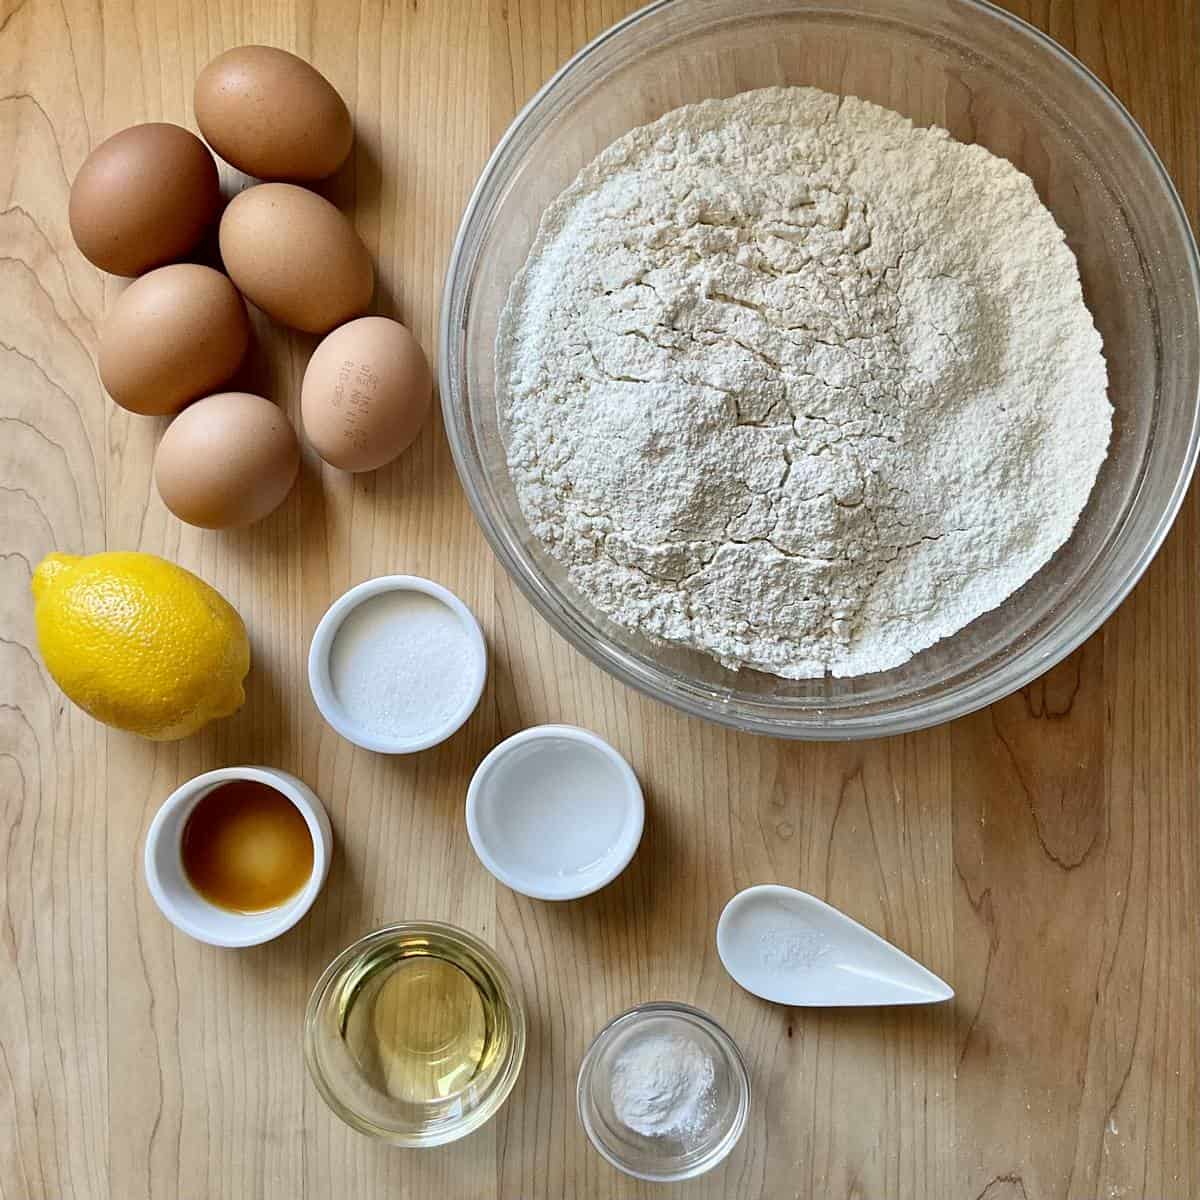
{"points": [[397, 664], [663, 1092]]}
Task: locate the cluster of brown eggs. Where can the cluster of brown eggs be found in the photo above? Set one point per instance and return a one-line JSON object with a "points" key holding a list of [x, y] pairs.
{"points": [[144, 199]]}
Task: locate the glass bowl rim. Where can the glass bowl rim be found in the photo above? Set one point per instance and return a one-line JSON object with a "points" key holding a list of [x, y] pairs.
{"points": [[506, 1078], [903, 714], [720, 1035]]}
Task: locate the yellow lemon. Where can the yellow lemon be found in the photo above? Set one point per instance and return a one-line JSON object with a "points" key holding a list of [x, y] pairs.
{"points": [[139, 643]]}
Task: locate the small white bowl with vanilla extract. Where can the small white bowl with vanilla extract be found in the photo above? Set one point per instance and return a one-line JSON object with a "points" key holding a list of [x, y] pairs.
{"points": [[237, 856]]}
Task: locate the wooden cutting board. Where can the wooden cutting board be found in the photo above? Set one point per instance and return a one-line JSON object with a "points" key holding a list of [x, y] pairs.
{"points": [[1044, 855]]}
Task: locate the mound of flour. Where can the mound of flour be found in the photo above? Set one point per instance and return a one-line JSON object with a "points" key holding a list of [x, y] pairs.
{"points": [[790, 381]]}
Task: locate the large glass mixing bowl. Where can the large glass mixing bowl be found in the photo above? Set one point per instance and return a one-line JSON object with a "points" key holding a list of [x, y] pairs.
{"points": [[986, 77]]}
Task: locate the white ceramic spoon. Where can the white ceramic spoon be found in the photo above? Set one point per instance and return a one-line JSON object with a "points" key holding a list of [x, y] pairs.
{"points": [[791, 948]]}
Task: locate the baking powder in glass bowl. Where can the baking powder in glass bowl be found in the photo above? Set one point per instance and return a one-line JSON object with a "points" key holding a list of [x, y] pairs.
{"points": [[663, 1092], [662, 1086]]}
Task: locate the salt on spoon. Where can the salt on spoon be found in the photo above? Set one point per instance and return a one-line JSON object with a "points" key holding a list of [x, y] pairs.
{"points": [[791, 948]]}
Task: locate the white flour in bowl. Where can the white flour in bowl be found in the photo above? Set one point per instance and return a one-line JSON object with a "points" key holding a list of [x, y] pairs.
{"points": [[795, 383]]}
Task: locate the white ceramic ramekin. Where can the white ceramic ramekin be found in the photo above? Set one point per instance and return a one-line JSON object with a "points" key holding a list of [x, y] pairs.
{"points": [[184, 907], [322, 644], [555, 813]]}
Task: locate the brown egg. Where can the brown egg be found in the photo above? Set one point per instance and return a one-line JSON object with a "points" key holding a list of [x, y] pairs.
{"points": [[227, 460], [143, 198], [366, 393], [295, 256], [173, 335], [272, 115]]}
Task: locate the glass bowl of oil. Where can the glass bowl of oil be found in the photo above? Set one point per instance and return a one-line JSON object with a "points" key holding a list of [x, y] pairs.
{"points": [[415, 1034]]}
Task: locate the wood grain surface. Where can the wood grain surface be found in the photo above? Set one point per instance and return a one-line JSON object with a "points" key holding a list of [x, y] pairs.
{"points": [[1044, 855]]}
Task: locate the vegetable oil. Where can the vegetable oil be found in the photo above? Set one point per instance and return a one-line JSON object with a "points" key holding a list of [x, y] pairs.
{"points": [[419, 1026]]}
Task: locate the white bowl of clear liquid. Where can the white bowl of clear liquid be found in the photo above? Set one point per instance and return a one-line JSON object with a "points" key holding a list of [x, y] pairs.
{"points": [[555, 813]]}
